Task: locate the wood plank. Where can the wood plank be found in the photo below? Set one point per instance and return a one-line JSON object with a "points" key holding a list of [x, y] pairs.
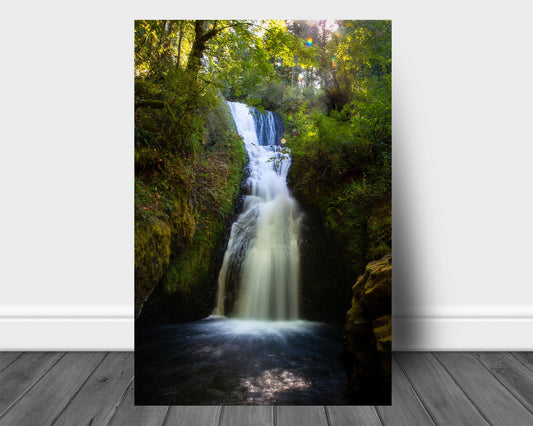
{"points": [[137, 415], [406, 408], [524, 358], [301, 416], [482, 388], [22, 374], [247, 416], [199, 415], [441, 396], [511, 373], [78, 389], [41, 404], [6, 358], [352, 415], [96, 401]]}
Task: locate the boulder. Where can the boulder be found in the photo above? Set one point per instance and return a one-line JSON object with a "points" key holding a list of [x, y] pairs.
{"points": [[382, 329], [368, 333], [376, 295]]}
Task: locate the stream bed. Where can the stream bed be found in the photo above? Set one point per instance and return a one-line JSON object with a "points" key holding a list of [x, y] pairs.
{"points": [[221, 361]]}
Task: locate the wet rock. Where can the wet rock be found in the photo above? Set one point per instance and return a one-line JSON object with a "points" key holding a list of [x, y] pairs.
{"points": [[368, 333], [382, 328], [376, 295]]}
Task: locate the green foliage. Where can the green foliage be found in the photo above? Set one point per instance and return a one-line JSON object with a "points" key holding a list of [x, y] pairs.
{"points": [[166, 114], [218, 176], [190, 196], [342, 156], [235, 58], [268, 94]]}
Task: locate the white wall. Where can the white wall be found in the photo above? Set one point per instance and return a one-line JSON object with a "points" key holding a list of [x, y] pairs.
{"points": [[462, 153]]}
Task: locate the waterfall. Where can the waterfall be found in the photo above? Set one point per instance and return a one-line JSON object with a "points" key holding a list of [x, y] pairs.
{"points": [[262, 258]]}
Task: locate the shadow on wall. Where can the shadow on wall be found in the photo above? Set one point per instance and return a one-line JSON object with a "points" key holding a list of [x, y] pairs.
{"points": [[406, 240]]}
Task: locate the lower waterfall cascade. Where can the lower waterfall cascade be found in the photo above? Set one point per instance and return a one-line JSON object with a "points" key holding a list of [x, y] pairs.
{"points": [[262, 259]]}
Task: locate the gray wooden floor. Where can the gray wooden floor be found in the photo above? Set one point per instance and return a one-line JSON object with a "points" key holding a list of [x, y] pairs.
{"points": [[96, 388]]}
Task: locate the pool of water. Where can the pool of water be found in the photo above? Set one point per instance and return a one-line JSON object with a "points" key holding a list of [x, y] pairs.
{"points": [[219, 361]]}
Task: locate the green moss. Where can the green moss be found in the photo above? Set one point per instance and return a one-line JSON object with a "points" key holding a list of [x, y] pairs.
{"points": [[152, 255], [220, 175], [190, 269], [190, 199], [183, 224], [344, 172], [382, 328]]}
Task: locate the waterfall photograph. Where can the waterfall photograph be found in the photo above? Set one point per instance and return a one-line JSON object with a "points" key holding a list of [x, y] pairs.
{"points": [[263, 212]]}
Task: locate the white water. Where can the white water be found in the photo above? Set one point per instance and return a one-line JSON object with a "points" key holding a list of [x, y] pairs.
{"points": [[262, 256]]}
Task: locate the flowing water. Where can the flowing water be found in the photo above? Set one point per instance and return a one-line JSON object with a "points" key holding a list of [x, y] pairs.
{"points": [[222, 361], [254, 350], [263, 254]]}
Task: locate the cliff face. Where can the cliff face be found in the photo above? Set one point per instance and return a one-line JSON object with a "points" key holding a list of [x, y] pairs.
{"points": [[157, 242], [367, 347], [152, 256], [182, 208], [348, 223], [326, 276]]}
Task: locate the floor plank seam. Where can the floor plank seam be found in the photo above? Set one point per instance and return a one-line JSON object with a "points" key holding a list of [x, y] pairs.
{"points": [[526, 366], [11, 362], [32, 385], [480, 411], [328, 419], [167, 415], [379, 415], [415, 391], [512, 380], [220, 419], [504, 385], [78, 390], [119, 402]]}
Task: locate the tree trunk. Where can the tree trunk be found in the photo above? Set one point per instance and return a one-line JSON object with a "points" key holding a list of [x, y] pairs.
{"points": [[198, 47], [201, 37], [179, 44]]}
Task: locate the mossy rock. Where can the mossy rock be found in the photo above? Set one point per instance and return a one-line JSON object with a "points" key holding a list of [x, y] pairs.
{"points": [[183, 225], [368, 331], [376, 297], [382, 328], [358, 334], [371, 292], [152, 256], [359, 285]]}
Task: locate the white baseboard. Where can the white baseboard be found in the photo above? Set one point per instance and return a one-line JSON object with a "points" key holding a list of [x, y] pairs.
{"points": [[66, 334], [462, 334], [116, 333]]}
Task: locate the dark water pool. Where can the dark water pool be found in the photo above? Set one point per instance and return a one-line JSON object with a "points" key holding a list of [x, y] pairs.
{"points": [[219, 361]]}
